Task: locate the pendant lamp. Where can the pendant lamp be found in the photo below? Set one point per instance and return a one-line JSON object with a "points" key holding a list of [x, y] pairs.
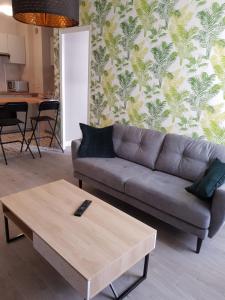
{"points": [[48, 13]]}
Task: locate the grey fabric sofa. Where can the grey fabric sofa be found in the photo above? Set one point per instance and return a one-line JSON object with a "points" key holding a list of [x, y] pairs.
{"points": [[151, 171]]}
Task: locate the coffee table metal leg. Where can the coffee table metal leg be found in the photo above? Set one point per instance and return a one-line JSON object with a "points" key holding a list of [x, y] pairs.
{"points": [[7, 236], [134, 285]]}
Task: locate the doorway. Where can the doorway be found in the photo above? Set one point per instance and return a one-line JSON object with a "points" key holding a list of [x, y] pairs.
{"points": [[75, 67]]}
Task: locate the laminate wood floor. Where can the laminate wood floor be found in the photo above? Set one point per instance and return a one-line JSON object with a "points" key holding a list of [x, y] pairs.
{"points": [[175, 271]]}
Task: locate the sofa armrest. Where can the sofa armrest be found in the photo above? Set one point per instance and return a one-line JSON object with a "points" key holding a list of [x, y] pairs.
{"points": [[74, 148], [217, 211]]}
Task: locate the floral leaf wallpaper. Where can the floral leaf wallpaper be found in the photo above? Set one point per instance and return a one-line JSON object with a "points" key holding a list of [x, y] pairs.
{"points": [[158, 64], [56, 64]]}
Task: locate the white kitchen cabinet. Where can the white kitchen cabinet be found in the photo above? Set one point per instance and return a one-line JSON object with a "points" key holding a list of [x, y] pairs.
{"points": [[3, 43], [16, 49]]}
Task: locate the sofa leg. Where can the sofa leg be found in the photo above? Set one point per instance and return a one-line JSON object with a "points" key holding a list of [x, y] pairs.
{"points": [[199, 245], [80, 183]]}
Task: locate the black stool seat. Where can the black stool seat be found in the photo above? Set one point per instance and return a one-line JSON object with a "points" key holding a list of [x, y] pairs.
{"points": [[42, 118], [10, 122]]}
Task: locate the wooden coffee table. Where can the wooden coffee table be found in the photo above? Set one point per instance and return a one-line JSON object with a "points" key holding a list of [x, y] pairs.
{"points": [[90, 252]]}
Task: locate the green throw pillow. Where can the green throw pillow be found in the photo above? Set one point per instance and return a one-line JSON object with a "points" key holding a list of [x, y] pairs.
{"points": [[207, 185]]}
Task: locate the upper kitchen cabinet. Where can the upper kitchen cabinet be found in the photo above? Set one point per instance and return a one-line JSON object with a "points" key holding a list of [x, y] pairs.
{"points": [[3, 43], [16, 49]]}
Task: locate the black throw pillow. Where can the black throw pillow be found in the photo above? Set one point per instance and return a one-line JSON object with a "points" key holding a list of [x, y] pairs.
{"points": [[214, 177], [96, 142]]}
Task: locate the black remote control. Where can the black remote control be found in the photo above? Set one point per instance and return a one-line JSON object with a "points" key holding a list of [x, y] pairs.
{"points": [[79, 212]]}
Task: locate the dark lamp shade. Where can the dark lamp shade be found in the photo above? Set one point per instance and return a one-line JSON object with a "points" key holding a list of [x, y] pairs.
{"points": [[48, 13]]}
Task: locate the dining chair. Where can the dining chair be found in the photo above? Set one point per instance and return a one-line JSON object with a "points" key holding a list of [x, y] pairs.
{"points": [[9, 117], [51, 106]]}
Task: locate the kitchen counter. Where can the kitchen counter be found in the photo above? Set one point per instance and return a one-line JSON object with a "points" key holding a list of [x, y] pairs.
{"points": [[15, 93], [29, 100]]}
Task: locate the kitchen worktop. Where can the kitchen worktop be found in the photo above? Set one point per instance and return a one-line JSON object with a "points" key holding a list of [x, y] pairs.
{"points": [[29, 100], [14, 94]]}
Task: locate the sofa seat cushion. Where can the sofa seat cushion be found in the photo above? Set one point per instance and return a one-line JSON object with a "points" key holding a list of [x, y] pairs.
{"points": [[113, 172], [167, 193]]}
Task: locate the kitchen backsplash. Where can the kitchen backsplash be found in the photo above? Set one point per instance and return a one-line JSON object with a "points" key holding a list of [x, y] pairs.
{"points": [[8, 72]]}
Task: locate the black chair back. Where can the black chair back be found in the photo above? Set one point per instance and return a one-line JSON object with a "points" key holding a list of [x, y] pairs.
{"points": [[16, 106], [49, 105], [6, 114], [8, 117], [10, 109]]}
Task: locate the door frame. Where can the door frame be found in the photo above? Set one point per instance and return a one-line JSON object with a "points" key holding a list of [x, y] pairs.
{"points": [[62, 114]]}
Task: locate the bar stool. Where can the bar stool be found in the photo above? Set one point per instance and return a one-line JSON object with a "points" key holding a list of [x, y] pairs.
{"points": [[45, 106], [8, 117]]}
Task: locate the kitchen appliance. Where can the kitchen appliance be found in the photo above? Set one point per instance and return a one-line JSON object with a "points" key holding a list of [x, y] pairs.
{"points": [[17, 86]]}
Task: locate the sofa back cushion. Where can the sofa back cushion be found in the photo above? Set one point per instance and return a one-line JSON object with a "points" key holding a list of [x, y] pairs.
{"points": [[141, 146], [187, 158]]}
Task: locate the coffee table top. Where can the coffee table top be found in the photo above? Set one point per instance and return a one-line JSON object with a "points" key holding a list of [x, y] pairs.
{"points": [[90, 244]]}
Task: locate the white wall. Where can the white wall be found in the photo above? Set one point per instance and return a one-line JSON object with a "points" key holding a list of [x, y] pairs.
{"points": [[9, 25], [48, 67], [74, 82], [38, 70]]}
